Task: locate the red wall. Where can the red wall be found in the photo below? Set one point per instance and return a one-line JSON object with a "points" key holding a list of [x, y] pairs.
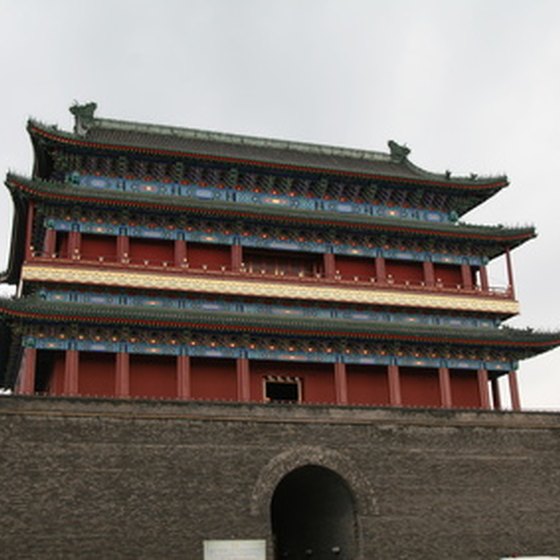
{"points": [[213, 378], [156, 251], [318, 383], [449, 274], [464, 389], [355, 266], [216, 379], [96, 374], [95, 246], [403, 271], [367, 384], [214, 256], [153, 376], [420, 386], [317, 380]]}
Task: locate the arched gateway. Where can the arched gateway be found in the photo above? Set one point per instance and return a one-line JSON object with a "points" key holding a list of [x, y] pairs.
{"points": [[313, 516], [308, 483]]}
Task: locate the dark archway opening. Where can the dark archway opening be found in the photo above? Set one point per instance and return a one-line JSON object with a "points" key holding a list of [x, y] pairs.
{"points": [[313, 517]]}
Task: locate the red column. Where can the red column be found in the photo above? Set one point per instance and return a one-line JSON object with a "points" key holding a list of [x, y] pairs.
{"points": [[236, 257], [394, 385], [122, 378], [510, 273], [74, 244], [484, 278], [380, 272], [26, 384], [243, 381], [466, 275], [330, 265], [49, 244], [71, 372], [123, 249], [429, 274], [184, 377], [29, 231], [445, 387], [483, 388], [514, 390], [496, 393], [180, 252], [340, 383]]}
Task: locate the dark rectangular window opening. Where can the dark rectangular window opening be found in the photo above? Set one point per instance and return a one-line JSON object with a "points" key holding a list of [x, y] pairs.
{"points": [[282, 391], [45, 368]]}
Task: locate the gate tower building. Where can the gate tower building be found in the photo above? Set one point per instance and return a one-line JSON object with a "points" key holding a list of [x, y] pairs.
{"points": [[235, 280], [195, 265]]}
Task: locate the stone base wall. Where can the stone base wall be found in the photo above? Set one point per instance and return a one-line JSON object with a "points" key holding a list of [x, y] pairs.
{"points": [[85, 478]]}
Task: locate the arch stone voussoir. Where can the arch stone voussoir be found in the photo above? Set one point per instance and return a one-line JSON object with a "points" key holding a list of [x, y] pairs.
{"points": [[301, 456]]}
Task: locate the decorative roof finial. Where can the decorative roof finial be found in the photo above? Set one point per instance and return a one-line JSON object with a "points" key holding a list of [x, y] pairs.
{"points": [[399, 152], [84, 116]]}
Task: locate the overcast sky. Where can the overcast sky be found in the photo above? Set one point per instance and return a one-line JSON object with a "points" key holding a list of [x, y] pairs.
{"points": [[469, 85]]}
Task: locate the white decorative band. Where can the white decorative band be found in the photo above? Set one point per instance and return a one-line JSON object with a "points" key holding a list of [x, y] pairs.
{"points": [[230, 286]]}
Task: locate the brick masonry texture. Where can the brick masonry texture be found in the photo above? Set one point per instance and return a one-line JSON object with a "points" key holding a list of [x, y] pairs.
{"points": [[86, 478]]}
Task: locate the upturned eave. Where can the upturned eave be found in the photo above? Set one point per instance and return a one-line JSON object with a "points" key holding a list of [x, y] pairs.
{"points": [[506, 237], [121, 137], [32, 309], [17, 244]]}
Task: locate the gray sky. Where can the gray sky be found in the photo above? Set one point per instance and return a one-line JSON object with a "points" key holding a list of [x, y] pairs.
{"points": [[469, 85]]}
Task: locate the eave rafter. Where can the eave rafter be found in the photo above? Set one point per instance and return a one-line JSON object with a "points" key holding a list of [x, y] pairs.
{"points": [[64, 193], [63, 313]]}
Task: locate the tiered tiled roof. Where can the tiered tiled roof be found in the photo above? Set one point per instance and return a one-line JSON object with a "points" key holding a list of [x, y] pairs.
{"points": [[35, 309]]}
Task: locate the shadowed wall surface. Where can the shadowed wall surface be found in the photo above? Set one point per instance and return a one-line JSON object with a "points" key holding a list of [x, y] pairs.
{"points": [[85, 478]]}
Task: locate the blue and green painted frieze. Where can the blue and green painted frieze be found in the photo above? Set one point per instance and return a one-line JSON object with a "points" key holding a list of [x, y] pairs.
{"points": [[224, 352], [198, 192], [254, 241]]}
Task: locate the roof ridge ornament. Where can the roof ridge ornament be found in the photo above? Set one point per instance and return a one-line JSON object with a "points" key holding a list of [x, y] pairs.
{"points": [[84, 116], [399, 152]]}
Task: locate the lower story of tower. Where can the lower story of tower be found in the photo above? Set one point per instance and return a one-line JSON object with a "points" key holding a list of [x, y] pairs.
{"points": [[208, 371]]}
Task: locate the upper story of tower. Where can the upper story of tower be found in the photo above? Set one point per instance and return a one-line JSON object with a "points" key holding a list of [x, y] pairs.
{"points": [[282, 218], [259, 171]]}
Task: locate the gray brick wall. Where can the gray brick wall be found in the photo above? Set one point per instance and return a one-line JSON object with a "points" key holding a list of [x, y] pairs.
{"points": [[84, 478]]}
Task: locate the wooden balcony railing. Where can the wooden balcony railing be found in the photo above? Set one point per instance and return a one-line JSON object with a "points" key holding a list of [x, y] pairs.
{"points": [[246, 271]]}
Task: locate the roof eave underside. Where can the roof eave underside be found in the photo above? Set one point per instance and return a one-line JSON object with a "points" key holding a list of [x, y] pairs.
{"points": [[376, 167], [62, 192], [17, 249], [34, 310]]}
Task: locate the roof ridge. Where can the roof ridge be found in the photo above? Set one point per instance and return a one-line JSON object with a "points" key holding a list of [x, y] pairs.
{"points": [[86, 122], [244, 139], [281, 144]]}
